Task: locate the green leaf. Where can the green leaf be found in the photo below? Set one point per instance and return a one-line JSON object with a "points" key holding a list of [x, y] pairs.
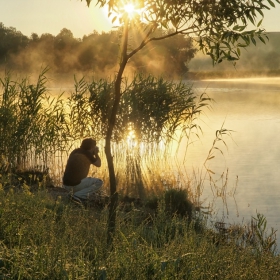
{"points": [[262, 39], [260, 12], [242, 45], [271, 3], [260, 22], [251, 19], [236, 27], [231, 58], [241, 28], [238, 51]]}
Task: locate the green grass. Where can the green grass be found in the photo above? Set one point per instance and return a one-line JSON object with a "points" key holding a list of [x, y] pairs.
{"points": [[46, 239]]}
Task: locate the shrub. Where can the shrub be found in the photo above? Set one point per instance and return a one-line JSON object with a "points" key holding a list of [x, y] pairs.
{"points": [[176, 202]]}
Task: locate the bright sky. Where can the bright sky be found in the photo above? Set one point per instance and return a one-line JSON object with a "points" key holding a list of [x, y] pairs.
{"points": [[50, 16]]}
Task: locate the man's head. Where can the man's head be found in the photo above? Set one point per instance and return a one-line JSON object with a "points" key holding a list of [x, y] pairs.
{"points": [[88, 144]]}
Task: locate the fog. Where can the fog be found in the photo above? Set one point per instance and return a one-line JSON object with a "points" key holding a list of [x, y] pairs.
{"points": [[93, 55], [97, 54]]}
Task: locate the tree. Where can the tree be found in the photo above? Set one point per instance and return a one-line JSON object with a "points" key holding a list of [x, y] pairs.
{"points": [[220, 27], [11, 42]]}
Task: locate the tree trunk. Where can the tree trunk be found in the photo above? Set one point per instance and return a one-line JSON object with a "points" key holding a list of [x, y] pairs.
{"points": [[111, 125]]}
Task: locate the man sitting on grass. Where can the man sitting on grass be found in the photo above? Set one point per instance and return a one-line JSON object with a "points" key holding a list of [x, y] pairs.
{"points": [[75, 177]]}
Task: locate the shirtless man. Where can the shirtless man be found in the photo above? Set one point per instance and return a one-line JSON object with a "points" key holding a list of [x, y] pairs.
{"points": [[76, 171]]}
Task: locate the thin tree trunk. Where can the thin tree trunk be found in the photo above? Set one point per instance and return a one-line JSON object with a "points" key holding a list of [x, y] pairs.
{"points": [[109, 157]]}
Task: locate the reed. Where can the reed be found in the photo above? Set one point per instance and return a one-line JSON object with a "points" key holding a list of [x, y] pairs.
{"points": [[31, 123]]}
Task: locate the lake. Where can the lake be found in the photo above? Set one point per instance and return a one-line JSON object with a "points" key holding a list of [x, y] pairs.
{"points": [[251, 109], [250, 163]]}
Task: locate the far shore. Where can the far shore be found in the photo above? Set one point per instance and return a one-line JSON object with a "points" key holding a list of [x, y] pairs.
{"points": [[203, 75]]}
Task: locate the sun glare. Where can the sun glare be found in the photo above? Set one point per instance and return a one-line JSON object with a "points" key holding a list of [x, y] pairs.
{"points": [[129, 8], [131, 139]]}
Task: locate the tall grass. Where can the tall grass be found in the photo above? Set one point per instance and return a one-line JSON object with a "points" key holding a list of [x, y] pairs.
{"points": [[39, 130], [46, 239], [32, 126]]}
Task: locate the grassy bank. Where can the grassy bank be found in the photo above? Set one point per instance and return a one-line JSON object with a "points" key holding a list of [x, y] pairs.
{"points": [[46, 239]]}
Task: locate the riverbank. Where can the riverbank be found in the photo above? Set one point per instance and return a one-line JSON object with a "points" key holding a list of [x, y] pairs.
{"points": [[44, 238]]}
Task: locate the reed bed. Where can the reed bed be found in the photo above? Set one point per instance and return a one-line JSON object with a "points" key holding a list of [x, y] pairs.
{"points": [[37, 129]]}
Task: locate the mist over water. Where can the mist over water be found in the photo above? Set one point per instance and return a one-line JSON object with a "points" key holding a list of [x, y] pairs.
{"points": [[250, 108]]}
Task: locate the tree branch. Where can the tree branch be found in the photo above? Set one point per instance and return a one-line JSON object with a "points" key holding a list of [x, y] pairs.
{"points": [[146, 40]]}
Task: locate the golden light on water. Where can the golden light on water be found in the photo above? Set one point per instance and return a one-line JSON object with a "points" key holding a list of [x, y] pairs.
{"points": [[131, 138]]}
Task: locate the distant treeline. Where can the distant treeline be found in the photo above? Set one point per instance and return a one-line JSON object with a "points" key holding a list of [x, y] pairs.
{"points": [[95, 53]]}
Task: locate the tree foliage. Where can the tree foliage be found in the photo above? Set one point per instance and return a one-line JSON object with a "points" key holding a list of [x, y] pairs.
{"points": [[11, 41], [263, 59], [220, 27]]}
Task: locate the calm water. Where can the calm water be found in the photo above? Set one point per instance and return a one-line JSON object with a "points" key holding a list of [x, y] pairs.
{"points": [[251, 108]]}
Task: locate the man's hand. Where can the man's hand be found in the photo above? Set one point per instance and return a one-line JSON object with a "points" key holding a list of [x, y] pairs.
{"points": [[98, 160], [96, 150]]}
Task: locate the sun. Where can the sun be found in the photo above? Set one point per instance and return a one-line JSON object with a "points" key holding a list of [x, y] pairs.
{"points": [[126, 9], [130, 10]]}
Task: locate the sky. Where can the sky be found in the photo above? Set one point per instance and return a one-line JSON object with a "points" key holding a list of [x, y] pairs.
{"points": [[51, 16]]}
